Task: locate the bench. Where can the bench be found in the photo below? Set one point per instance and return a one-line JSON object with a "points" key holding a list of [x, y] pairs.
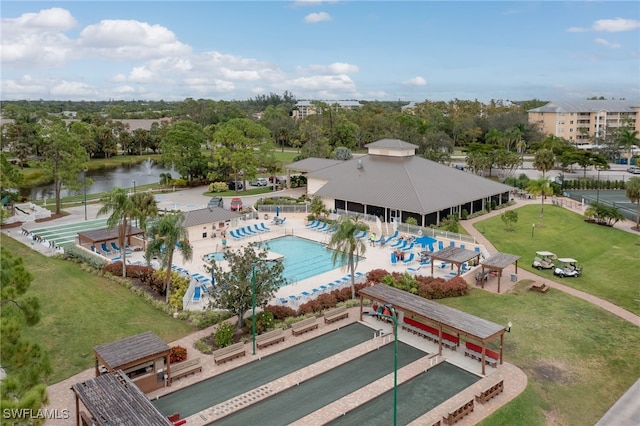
{"points": [[474, 351], [421, 329], [450, 341], [494, 390], [459, 413], [303, 326], [184, 368], [336, 315], [542, 288], [228, 353], [270, 338]]}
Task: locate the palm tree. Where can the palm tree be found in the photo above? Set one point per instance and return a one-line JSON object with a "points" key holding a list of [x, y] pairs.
{"points": [[346, 245], [540, 187], [633, 194], [122, 209], [167, 233], [146, 206], [544, 160], [628, 138]]}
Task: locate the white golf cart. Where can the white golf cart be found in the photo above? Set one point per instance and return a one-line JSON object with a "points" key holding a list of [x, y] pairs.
{"points": [[544, 260], [567, 267]]}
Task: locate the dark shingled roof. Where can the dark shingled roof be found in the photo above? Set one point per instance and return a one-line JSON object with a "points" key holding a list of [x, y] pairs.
{"points": [[455, 255], [312, 164], [454, 319], [131, 349], [409, 183], [499, 260], [105, 234], [208, 215], [391, 143], [113, 399]]}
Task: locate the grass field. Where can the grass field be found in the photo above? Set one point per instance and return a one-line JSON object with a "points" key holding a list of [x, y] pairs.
{"points": [[80, 310], [609, 256]]}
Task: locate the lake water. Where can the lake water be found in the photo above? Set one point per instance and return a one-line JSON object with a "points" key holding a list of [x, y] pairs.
{"points": [[105, 179]]}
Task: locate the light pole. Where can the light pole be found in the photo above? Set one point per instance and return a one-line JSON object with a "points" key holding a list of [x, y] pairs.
{"points": [[598, 187], [394, 318], [533, 228], [253, 306], [84, 184], [134, 186]]}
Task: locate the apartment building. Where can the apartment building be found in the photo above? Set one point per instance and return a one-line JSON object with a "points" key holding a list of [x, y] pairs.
{"points": [[579, 121], [304, 109]]}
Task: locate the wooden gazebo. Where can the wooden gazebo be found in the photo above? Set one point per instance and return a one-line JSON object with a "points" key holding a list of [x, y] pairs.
{"points": [[444, 318], [143, 357], [497, 262], [113, 399], [455, 256], [98, 236]]}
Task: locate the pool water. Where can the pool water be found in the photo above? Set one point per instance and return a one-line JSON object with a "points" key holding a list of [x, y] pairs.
{"points": [[217, 257], [302, 258]]}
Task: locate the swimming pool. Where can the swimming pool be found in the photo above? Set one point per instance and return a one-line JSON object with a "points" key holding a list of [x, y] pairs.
{"points": [[217, 256], [302, 258]]}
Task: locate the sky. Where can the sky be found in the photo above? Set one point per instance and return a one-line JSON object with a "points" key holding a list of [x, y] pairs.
{"points": [[322, 50]]}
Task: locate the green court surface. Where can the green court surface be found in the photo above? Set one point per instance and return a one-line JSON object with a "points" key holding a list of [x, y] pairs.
{"points": [[65, 235], [299, 401], [415, 398], [217, 389], [614, 198]]}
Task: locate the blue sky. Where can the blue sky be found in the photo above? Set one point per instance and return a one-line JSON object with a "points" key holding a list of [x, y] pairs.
{"points": [[328, 50]]}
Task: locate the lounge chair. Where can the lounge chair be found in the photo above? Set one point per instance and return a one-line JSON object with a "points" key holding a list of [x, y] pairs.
{"points": [[294, 298], [409, 259], [255, 228], [440, 245], [323, 288], [196, 294], [321, 227], [114, 246], [398, 243], [452, 243], [409, 247], [394, 258], [282, 300], [413, 270], [263, 226], [394, 236], [282, 221], [306, 294], [462, 246], [250, 231], [105, 250], [312, 224], [380, 239]]}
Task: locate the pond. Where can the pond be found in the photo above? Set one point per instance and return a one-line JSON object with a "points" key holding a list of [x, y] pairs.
{"points": [[104, 180]]}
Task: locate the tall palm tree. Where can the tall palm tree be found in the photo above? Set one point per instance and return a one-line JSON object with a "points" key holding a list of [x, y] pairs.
{"points": [[122, 209], [627, 139], [633, 193], [347, 246], [146, 206], [544, 160], [540, 187], [168, 233]]}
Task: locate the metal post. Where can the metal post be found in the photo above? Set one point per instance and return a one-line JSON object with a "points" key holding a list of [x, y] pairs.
{"points": [[533, 228], [598, 188], [134, 186], [84, 184], [253, 306], [394, 318]]}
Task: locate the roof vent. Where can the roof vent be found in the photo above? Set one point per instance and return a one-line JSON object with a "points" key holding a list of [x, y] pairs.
{"points": [[359, 164]]}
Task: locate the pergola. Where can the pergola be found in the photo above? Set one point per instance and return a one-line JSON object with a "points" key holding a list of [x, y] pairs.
{"points": [[113, 399], [98, 236], [442, 317], [498, 262], [454, 255], [144, 355]]}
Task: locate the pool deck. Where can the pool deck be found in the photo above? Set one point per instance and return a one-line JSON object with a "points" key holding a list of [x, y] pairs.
{"points": [[515, 381]]}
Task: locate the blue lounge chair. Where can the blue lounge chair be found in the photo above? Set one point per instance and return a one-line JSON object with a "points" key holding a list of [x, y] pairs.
{"points": [[323, 288], [379, 240], [249, 230], [409, 259], [321, 227], [105, 249], [414, 270], [282, 300], [312, 224], [263, 226], [476, 249], [440, 245], [282, 221], [196, 294], [257, 229], [398, 243], [452, 243], [114, 246], [306, 294], [394, 236], [462, 246], [394, 258], [234, 235], [294, 298]]}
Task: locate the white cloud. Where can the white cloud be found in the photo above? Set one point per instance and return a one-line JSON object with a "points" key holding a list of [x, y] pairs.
{"points": [[21, 88], [72, 89], [415, 81], [141, 75], [609, 25], [312, 2], [332, 69], [312, 18], [607, 43], [125, 90]]}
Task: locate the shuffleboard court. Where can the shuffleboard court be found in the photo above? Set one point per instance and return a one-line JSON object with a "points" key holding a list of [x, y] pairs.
{"points": [[415, 398], [299, 401], [67, 234], [217, 389]]}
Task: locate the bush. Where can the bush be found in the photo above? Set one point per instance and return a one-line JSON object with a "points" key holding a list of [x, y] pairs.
{"points": [[264, 322], [177, 354], [78, 255], [281, 313], [223, 335], [202, 346], [218, 187]]}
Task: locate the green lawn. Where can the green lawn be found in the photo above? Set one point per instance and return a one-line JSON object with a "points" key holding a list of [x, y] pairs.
{"points": [[80, 310], [609, 256]]}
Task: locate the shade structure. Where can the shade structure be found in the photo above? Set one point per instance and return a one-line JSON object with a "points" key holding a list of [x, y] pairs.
{"points": [[425, 240]]}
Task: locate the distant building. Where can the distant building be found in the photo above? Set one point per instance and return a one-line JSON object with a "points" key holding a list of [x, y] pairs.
{"points": [[304, 109], [410, 108], [578, 122]]}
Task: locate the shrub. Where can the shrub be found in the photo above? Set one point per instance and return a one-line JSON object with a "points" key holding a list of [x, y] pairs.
{"points": [[376, 275], [264, 322], [177, 354], [223, 335], [80, 256], [218, 187], [280, 313], [202, 346]]}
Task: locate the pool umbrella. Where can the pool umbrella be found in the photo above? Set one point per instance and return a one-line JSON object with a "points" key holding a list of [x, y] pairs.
{"points": [[277, 211], [425, 240]]}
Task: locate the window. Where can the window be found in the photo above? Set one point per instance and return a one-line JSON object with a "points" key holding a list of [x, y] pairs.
{"points": [[204, 235]]}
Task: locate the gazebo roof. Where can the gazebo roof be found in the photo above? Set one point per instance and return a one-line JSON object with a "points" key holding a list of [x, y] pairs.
{"points": [[106, 234], [452, 318], [131, 349], [455, 255], [113, 399], [499, 261]]}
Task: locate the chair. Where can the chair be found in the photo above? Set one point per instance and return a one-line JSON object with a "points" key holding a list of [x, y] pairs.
{"points": [[409, 259], [409, 247], [257, 229], [380, 239], [323, 288], [462, 246], [249, 230], [263, 226], [414, 270], [398, 243], [452, 243], [282, 300], [395, 235], [105, 249], [234, 235], [440, 245], [306, 294], [394, 258], [294, 298], [282, 221], [196, 294], [312, 224], [114, 246], [321, 227]]}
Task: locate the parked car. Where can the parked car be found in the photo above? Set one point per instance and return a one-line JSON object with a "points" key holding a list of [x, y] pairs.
{"points": [[236, 204], [277, 179], [634, 169], [235, 185], [216, 202], [544, 260], [259, 182], [567, 267]]}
